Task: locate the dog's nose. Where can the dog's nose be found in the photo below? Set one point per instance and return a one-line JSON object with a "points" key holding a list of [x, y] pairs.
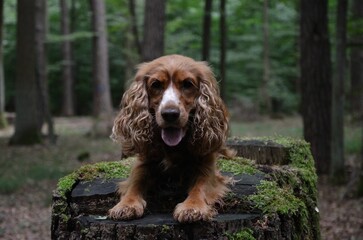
{"points": [[170, 115]]}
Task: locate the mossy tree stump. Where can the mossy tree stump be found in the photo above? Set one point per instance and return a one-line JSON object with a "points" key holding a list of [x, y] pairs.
{"points": [[274, 197]]}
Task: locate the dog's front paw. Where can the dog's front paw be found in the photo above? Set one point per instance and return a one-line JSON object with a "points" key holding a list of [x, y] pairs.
{"points": [[192, 212], [127, 209]]}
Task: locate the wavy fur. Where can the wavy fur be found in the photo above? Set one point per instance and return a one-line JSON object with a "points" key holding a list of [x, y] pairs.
{"points": [[210, 123], [132, 126], [203, 118]]}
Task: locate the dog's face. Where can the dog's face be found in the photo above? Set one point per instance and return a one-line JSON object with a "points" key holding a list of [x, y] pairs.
{"points": [[172, 94], [180, 96]]}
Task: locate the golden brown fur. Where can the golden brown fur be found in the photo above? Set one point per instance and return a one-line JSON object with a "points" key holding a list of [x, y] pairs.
{"points": [[202, 122]]}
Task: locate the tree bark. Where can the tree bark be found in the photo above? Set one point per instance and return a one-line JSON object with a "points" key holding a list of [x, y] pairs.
{"points": [[223, 39], [102, 106], [206, 30], [132, 52], [154, 29], [3, 122], [264, 93], [101, 94], [67, 75], [133, 22], [356, 59], [41, 67], [337, 172], [27, 102], [316, 80]]}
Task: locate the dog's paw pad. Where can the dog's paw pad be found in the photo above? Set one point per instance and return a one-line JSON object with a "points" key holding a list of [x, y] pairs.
{"points": [[192, 213], [124, 211]]}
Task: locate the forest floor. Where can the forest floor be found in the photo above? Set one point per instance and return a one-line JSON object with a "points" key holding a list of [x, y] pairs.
{"points": [[29, 174]]}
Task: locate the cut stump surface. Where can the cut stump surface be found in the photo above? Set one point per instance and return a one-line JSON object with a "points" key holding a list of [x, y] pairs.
{"points": [[274, 197]]}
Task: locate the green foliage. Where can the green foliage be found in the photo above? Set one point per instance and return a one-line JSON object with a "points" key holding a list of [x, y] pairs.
{"points": [[71, 37], [10, 184], [245, 62], [244, 234], [3, 121], [352, 139], [183, 36]]}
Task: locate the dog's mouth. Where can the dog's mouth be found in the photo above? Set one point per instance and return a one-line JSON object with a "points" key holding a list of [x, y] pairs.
{"points": [[172, 136]]}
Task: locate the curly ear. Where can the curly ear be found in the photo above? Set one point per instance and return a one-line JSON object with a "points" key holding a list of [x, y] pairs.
{"points": [[211, 117], [132, 126]]}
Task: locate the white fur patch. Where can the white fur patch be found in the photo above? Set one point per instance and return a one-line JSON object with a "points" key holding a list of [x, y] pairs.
{"points": [[170, 96]]}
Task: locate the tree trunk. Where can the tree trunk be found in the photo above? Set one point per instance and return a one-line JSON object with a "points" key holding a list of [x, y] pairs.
{"points": [[27, 102], [223, 39], [206, 30], [264, 93], [133, 22], [337, 172], [154, 28], [67, 76], [316, 80], [3, 122], [133, 45], [102, 106], [356, 56], [360, 185], [41, 67], [361, 166]]}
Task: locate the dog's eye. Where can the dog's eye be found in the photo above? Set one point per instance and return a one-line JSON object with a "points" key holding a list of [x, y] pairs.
{"points": [[187, 84], [156, 85]]}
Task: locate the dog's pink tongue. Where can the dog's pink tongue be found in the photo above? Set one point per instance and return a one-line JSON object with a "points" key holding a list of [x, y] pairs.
{"points": [[172, 136]]}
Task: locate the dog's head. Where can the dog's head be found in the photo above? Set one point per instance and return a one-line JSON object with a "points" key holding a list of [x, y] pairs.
{"points": [[180, 95]]}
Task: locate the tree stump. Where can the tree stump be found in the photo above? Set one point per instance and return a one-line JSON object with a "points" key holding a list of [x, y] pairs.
{"points": [[274, 197]]}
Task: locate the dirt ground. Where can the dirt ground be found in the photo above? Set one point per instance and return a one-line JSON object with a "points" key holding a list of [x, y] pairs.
{"points": [[25, 213]]}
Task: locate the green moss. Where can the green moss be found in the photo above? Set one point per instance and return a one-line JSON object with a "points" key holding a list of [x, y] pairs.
{"points": [[244, 234], [65, 217], [66, 183], [165, 228], [300, 159], [271, 198], [238, 165], [104, 170], [292, 190]]}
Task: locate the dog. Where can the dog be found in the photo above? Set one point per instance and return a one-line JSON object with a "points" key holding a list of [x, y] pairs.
{"points": [[173, 119]]}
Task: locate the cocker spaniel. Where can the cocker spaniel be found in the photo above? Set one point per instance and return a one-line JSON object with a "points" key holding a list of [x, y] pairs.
{"points": [[173, 118]]}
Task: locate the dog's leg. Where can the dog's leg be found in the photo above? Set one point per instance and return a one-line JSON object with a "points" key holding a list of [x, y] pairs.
{"points": [[131, 204], [208, 189]]}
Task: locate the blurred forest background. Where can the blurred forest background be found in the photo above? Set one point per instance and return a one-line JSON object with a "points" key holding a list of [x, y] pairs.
{"points": [[291, 68]]}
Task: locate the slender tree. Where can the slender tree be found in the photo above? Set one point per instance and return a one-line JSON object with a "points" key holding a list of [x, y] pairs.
{"points": [[356, 61], [316, 80], [27, 102], [356, 76], [223, 39], [154, 29], [3, 122], [133, 49], [67, 75], [41, 29], [360, 182], [102, 106], [206, 30], [337, 165], [133, 23], [264, 94]]}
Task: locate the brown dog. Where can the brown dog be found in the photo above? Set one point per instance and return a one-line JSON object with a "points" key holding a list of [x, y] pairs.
{"points": [[173, 118]]}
